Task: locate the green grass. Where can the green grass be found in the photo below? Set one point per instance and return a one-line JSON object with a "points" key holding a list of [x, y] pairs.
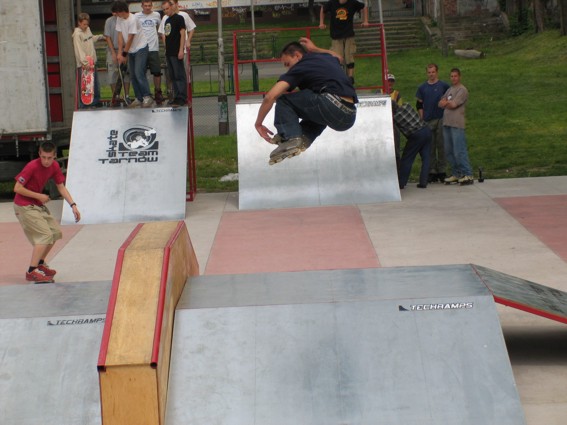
{"points": [[517, 105], [216, 156]]}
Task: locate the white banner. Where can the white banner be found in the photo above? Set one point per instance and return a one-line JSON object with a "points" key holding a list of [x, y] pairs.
{"points": [[212, 4]]}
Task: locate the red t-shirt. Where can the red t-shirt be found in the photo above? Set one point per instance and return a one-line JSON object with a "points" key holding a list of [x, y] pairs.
{"points": [[34, 177]]}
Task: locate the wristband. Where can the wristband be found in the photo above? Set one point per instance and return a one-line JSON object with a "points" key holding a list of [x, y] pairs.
{"points": [[73, 205], [124, 54]]}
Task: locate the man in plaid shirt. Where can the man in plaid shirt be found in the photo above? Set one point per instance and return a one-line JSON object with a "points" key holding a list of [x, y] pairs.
{"points": [[418, 136]]}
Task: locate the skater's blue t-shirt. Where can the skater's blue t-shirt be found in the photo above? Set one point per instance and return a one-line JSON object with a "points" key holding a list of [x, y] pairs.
{"points": [[319, 72]]}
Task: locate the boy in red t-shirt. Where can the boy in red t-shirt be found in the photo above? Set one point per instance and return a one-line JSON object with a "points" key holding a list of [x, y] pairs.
{"points": [[40, 227]]}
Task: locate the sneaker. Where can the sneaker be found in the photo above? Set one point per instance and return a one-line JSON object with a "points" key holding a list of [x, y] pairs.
{"points": [[277, 140], [176, 103], [46, 270], [466, 180], [135, 104], [306, 144], [127, 100], [422, 186], [148, 102], [451, 179], [37, 276], [159, 97], [287, 149]]}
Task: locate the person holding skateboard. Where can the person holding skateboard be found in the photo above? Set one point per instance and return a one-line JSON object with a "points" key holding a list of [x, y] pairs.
{"points": [[38, 224], [118, 77], [326, 98], [83, 44], [133, 48]]}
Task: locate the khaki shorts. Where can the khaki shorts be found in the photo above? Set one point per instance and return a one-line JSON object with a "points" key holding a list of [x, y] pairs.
{"points": [[39, 225], [112, 73], [346, 47]]}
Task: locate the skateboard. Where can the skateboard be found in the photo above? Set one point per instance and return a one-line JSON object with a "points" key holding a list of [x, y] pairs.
{"points": [[119, 84], [87, 82]]}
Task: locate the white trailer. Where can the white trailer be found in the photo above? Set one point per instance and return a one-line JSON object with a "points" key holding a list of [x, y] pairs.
{"points": [[37, 79]]}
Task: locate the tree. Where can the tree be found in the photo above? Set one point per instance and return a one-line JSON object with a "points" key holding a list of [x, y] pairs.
{"points": [[539, 13], [312, 14], [563, 16]]}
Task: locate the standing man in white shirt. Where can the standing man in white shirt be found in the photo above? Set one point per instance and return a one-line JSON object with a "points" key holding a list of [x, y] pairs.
{"points": [[150, 21], [133, 47]]}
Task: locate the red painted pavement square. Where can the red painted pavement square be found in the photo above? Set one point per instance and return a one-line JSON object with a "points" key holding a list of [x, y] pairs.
{"points": [[298, 239], [15, 251], [544, 216]]}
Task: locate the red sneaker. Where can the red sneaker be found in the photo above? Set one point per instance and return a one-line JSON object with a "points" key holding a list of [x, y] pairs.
{"points": [[46, 270], [38, 276]]}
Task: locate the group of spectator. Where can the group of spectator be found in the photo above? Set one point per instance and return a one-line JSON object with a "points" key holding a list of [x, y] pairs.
{"points": [[436, 131], [133, 47]]}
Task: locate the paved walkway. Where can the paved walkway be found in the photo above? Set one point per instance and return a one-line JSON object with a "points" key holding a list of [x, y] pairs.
{"points": [[515, 226]]}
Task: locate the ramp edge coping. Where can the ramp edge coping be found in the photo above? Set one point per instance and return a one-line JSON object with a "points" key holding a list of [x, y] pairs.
{"points": [[163, 292]]}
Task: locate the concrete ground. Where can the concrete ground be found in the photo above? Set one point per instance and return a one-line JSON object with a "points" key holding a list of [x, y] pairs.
{"points": [[514, 226]]}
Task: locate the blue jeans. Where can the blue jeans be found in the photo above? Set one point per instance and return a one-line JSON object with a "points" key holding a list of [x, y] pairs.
{"points": [[315, 111], [438, 162], [178, 77], [96, 98], [456, 151], [137, 63], [418, 142]]}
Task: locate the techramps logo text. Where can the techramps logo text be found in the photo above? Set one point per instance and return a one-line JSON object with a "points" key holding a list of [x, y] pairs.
{"points": [[138, 144], [437, 306]]}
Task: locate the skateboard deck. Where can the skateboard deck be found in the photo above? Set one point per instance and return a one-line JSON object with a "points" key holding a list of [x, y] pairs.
{"points": [[87, 82], [119, 84]]}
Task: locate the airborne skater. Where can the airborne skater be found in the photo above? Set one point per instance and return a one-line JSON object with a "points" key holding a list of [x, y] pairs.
{"points": [[326, 98]]}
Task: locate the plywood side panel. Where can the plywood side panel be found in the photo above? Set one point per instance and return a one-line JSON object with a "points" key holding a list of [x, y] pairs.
{"points": [[129, 396]]}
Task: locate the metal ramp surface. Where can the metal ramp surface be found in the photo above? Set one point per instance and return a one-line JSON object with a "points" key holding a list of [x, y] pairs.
{"points": [[419, 345], [407, 345], [49, 341], [128, 165], [341, 168]]}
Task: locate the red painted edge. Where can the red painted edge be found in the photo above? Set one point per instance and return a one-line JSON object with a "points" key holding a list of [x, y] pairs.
{"points": [[112, 298], [163, 293], [529, 309], [519, 306]]}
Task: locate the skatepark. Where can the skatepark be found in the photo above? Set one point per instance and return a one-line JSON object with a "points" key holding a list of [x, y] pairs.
{"points": [[320, 293]]}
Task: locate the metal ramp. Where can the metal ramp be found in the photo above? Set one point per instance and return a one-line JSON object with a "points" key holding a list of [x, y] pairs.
{"points": [[128, 165], [49, 341], [341, 168], [417, 345], [392, 346]]}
